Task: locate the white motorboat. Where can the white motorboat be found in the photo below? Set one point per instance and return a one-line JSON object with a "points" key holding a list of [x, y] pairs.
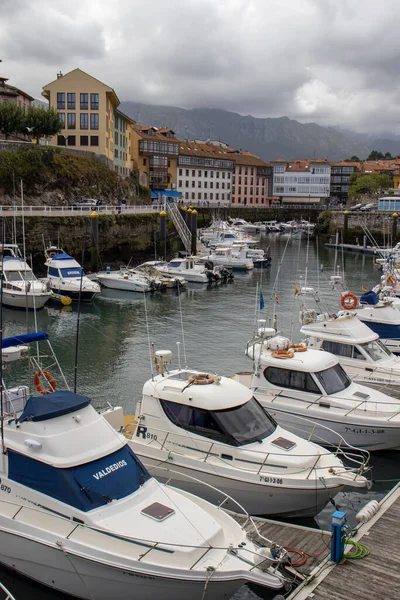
{"points": [[66, 277], [190, 270], [129, 280], [152, 269], [381, 314], [243, 226], [292, 381], [20, 287], [360, 352], [80, 513], [230, 259], [192, 426]]}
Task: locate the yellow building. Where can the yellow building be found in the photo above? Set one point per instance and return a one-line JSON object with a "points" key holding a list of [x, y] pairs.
{"points": [[155, 156], [88, 109], [396, 180]]}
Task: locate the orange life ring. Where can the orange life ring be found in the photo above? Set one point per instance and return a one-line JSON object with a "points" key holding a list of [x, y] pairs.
{"points": [[282, 354], [38, 385], [201, 379], [391, 280], [298, 347], [348, 301], [52, 254]]}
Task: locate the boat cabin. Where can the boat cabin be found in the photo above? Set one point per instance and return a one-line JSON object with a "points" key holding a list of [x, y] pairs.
{"points": [[64, 266]]}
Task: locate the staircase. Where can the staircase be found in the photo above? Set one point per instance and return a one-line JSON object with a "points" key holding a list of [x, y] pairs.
{"points": [[180, 225]]}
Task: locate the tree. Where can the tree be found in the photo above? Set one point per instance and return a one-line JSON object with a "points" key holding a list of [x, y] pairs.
{"points": [[372, 183], [354, 158], [11, 119], [42, 122]]}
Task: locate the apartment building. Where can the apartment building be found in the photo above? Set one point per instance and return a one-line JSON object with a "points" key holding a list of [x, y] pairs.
{"points": [[155, 155], [9, 93], [252, 180], [341, 173], [88, 108], [205, 172], [301, 181]]}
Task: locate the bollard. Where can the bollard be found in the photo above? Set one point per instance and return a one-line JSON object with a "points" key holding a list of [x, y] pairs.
{"points": [[345, 226], [163, 234], [395, 217], [184, 213], [94, 247], [189, 218], [194, 232]]}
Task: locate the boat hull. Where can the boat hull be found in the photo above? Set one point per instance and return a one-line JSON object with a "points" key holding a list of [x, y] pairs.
{"points": [[23, 301], [87, 579], [125, 285], [85, 295], [262, 500]]}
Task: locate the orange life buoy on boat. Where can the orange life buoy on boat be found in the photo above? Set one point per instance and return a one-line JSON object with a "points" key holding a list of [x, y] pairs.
{"points": [[38, 385], [52, 254], [282, 353], [391, 280], [348, 301], [298, 347], [201, 379]]}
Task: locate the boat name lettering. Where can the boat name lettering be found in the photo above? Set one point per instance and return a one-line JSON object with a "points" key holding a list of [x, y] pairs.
{"points": [[271, 479], [119, 465], [4, 488], [142, 431], [365, 431]]}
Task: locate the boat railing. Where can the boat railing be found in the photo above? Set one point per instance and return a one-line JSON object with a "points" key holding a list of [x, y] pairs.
{"points": [[217, 451], [8, 594]]}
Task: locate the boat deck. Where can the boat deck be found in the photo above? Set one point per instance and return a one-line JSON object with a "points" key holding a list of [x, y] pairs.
{"points": [[376, 576], [314, 542]]}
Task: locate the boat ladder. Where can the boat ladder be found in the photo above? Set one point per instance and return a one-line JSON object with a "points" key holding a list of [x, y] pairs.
{"points": [[180, 225]]}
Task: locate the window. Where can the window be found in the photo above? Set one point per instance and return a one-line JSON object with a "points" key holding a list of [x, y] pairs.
{"points": [[71, 120], [217, 175], [205, 196], [199, 196], [235, 426], [333, 380], [223, 174], [71, 140], [211, 173], [211, 196], [217, 196], [116, 138], [199, 184], [295, 380], [144, 162], [94, 140], [94, 121], [62, 118], [339, 349], [84, 121], [52, 272], [180, 172], [205, 173], [71, 101], [84, 101], [193, 183], [223, 197], [94, 101], [193, 195], [61, 140], [376, 350], [84, 140], [217, 185], [186, 195], [61, 100], [223, 185], [186, 183], [211, 184], [180, 183], [229, 175], [193, 173], [187, 172], [205, 184], [199, 172], [115, 153]]}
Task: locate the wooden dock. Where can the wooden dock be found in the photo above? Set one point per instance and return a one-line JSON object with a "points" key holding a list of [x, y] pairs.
{"points": [[366, 250], [375, 577]]}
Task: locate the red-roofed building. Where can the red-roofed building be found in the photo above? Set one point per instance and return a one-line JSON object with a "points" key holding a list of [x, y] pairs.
{"points": [[252, 182]]}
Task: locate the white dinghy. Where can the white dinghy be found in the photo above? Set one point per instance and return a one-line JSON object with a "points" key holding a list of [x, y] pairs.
{"points": [[129, 280], [81, 514], [360, 352], [192, 426], [292, 381]]}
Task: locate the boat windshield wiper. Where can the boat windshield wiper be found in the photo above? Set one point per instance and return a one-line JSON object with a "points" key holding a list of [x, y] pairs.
{"points": [[106, 498]]}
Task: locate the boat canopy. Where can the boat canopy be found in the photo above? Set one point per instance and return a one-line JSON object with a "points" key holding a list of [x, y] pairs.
{"points": [[369, 298], [25, 338], [62, 257], [52, 405]]}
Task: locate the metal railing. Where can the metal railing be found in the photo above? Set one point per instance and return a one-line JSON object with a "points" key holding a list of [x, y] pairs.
{"points": [[181, 227]]}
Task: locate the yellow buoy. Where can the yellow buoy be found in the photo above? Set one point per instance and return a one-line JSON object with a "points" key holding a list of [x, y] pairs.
{"points": [[66, 301]]}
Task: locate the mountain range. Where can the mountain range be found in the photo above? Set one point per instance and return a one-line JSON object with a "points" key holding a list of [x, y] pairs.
{"points": [[268, 138]]}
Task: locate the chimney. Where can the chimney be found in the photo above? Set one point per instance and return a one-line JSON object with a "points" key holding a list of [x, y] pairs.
{"points": [[59, 75]]}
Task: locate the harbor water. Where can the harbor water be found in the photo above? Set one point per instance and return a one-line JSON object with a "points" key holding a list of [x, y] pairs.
{"points": [[206, 328]]}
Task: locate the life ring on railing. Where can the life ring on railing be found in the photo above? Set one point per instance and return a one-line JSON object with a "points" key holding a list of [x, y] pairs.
{"points": [[348, 301], [282, 354], [38, 385], [298, 347], [201, 379], [391, 280], [52, 254]]}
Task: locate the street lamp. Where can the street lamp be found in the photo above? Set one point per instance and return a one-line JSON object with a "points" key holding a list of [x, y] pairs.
{"points": [[65, 136]]}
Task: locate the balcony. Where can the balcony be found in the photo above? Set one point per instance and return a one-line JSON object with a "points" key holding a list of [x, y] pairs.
{"points": [[159, 178], [154, 147]]}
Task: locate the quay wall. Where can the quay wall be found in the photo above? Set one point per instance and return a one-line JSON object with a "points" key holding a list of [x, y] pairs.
{"points": [[379, 224]]}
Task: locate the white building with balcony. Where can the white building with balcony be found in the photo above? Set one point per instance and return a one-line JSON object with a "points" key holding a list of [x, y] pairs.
{"points": [[301, 182]]}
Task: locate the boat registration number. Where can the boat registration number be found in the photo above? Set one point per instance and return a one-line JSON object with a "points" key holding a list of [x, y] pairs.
{"points": [[364, 431], [5, 488], [266, 479]]}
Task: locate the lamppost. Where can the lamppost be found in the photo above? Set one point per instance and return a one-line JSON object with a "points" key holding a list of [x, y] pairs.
{"points": [[65, 136]]}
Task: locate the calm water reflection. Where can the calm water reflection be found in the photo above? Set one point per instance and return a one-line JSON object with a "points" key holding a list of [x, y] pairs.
{"points": [[114, 359]]}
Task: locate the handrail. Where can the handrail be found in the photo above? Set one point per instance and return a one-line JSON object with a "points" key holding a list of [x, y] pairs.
{"points": [[181, 227], [9, 595]]}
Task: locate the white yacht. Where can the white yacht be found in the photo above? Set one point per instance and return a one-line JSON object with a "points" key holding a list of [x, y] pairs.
{"points": [[66, 277], [226, 256], [20, 287], [382, 315], [129, 280], [190, 270], [192, 426], [292, 381], [152, 269], [360, 352], [81, 514]]}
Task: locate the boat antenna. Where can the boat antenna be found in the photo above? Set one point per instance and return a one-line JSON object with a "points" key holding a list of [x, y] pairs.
{"points": [[182, 328], [79, 307], [151, 346], [3, 449]]}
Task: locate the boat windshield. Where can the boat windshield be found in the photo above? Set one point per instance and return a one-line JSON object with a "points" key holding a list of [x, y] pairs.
{"points": [[333, 380], [71, 272], [235, 426], [376, 350], [19, 276]]}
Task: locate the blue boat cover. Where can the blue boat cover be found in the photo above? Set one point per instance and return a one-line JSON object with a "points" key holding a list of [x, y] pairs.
{"points": [[52, 405], [369, 298], [62, 257], [86, 486], [25, 338]]}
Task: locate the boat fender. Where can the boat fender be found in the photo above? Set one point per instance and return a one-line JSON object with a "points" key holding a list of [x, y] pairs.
{"points": [[38, 385], [391, 281], [368, 511], [201, 379], [348, 301]]}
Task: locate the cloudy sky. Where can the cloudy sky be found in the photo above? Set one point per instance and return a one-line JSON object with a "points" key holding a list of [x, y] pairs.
{"points": [[334, 62]]}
